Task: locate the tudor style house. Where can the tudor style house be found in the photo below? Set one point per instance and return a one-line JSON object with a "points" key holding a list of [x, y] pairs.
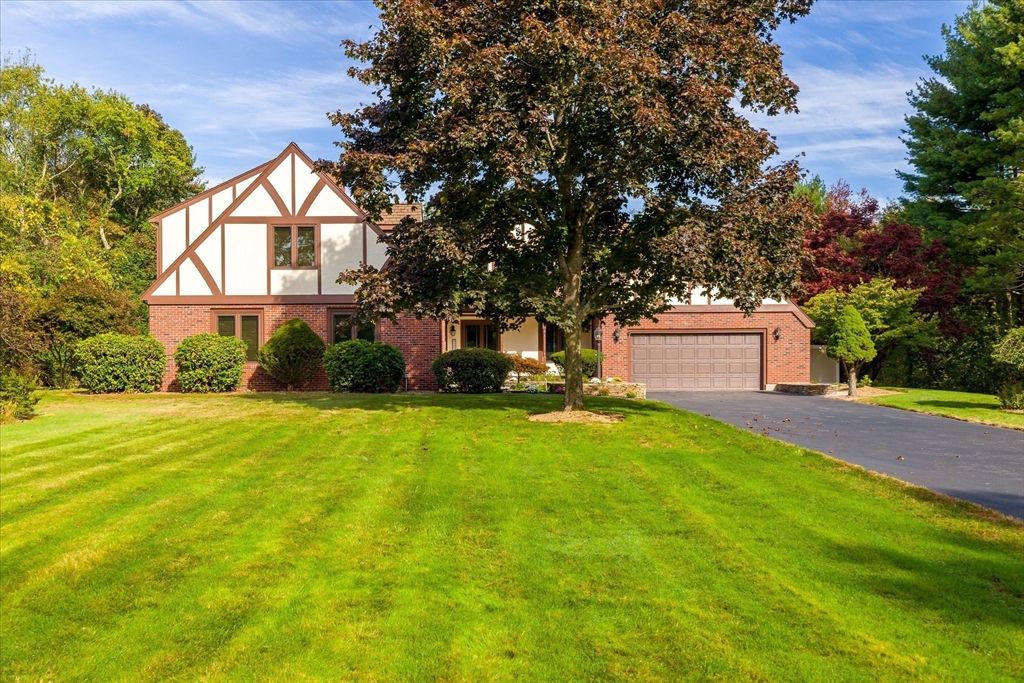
{"points": [[245, 256]]}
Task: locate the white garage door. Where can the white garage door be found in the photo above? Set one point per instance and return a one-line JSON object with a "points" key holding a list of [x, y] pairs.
{"points": [[696, 361]]}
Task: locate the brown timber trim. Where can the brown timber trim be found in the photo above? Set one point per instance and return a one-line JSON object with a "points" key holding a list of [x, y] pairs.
{"points": [[205, 272], [313, 194], [212, 191], [253, 299], [762, 331], [309, 220], [269, 188]]}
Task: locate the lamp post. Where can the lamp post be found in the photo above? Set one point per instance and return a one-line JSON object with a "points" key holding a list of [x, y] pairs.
{"points": [[598, 336]]}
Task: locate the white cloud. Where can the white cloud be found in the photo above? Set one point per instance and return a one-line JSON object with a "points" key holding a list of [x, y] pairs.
{"points": [[272, 20]]}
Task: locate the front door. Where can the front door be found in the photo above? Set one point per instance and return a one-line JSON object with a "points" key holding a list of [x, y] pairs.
{"points": [[479, 335]]}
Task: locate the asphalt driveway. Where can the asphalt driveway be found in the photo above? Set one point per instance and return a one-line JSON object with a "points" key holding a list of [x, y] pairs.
{"points": [[961, 459]]}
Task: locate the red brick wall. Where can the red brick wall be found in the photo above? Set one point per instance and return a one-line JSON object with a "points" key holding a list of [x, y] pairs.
{"points": [[419, 340], [787, 360]]}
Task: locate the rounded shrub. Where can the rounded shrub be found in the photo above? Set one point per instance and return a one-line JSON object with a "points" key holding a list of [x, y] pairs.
{"points": [[588, 356], [114, 363], [209, 362], [471, 371], [293, 353], [364, 366]]}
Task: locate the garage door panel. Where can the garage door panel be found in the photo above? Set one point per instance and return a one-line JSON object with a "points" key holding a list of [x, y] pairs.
{"points": [[696, 361]]}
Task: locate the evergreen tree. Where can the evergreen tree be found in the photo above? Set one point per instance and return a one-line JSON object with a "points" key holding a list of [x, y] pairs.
{"points": [[850, 343]]}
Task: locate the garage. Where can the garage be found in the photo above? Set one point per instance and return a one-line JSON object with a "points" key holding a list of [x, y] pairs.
{"points": [[696, 361]]}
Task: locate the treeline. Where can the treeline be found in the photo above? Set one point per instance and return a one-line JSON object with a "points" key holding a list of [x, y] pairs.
{"points": [[80, 173], [939, 275]]}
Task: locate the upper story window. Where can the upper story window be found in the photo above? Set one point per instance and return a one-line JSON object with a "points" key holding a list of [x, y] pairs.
{"points": [[294, 246]]}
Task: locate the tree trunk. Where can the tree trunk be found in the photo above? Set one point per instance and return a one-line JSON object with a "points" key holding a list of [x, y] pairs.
{"points": [[573, 399], [851, 378]]}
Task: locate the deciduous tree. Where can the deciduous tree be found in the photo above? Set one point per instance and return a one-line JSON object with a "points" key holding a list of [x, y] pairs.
{"points": [[581, 159], [850, 343]]}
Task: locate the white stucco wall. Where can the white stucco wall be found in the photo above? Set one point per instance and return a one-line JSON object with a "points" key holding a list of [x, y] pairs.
{"points": [[198, 219], [245, 259], [341, 248], [172, 237], [328, 203], [208, 252], [292, 281], [281, 179], [192, 282], [258, 203], [522, 341]]}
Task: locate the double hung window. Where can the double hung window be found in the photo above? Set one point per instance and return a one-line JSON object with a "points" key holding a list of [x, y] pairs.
{"points": [[244, 325], [294, 246]]}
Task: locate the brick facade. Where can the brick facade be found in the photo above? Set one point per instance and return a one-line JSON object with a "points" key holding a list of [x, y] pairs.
{"points": [[784, 360], [787, 359], [419, 340]]}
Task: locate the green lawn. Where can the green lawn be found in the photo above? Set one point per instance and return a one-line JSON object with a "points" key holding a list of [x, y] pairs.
{"points": [[958, 404], [316, 537]]}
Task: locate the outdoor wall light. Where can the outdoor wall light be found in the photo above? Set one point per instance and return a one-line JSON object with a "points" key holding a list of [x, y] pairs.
{"points": [[615, 334], [777, 333]]}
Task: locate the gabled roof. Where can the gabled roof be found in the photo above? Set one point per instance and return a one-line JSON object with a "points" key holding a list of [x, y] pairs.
{"points": [[260, 175]]}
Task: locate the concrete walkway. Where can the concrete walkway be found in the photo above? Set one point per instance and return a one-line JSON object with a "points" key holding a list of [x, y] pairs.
{"points": [[973, 462]]}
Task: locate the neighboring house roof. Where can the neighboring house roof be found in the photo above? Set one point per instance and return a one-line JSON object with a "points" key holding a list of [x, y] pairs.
{"points": [[392, 218]]}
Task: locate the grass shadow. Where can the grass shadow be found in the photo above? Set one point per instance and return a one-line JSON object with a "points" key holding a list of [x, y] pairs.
{"points": [[958, 405], [532, 404]]}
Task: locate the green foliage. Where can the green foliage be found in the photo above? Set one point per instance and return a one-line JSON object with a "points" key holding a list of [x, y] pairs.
{"points": [[850, 340], [966, 144], [527, 366], [363, 366], [293, 354], [116, 363], [562, 180], [17, 396], [1010, 352], [814, 191], [1010, 349], [81, 172], [896, 329], [471, 371], [1011, 396], [209, 362], [589, 357]]}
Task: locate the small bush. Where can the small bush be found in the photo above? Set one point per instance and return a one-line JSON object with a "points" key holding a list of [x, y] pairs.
{"points": [[209, 362], [1010, 353], [471, 371], [527, 366], [630, 394], [359, 365], [293, 353], [589, 361], [603, 392], [114, 363], [1011, 396], [17, 396]]}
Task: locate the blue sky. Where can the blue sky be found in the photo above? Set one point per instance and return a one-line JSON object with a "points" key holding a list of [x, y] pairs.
{"points": [[242, 79]]}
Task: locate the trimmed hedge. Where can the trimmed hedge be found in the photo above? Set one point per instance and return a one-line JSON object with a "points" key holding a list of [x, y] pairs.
{"points": [[293, 353], [115, 363], [17, 396], [471, 371], [1010, 350], [360, 365], [209, 362], [589, 361]]}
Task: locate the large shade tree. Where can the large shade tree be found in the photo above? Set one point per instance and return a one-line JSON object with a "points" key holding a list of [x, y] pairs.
{"points": [[580, 159]]}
